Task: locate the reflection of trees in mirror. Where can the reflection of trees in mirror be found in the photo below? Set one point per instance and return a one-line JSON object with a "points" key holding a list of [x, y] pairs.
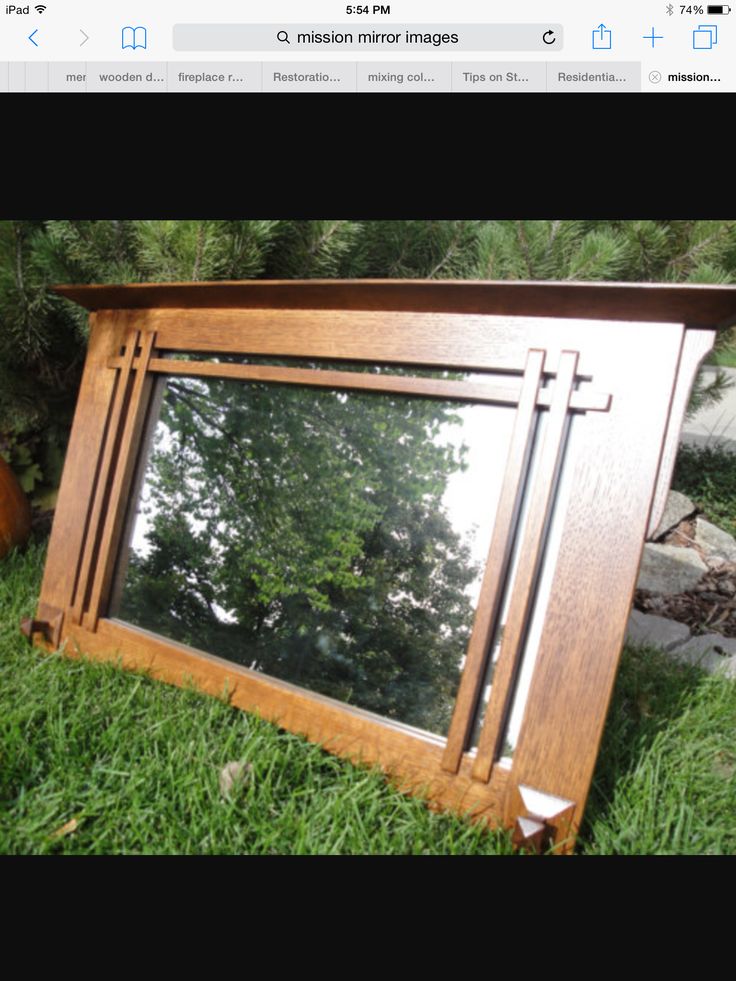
{"points": [[302, 533]]}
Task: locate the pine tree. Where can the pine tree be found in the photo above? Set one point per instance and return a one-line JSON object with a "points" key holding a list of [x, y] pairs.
{"points": [[42, 337]]}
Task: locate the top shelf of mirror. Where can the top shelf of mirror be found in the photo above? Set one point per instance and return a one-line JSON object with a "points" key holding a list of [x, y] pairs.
{"points": [[695, 305]]}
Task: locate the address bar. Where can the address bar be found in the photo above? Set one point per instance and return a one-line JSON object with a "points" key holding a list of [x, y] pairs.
{"points": [[347, 37]]}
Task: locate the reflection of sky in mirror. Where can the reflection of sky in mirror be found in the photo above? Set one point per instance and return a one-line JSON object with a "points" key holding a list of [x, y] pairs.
{"points": [[471, 498]]}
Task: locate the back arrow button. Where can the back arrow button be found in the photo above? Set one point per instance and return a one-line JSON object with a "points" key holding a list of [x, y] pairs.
{"points": [[31, 36], [86, 37]]}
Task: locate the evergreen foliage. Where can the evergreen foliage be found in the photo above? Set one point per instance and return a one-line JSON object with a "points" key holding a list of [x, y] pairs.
{"points": [[42, 337]]}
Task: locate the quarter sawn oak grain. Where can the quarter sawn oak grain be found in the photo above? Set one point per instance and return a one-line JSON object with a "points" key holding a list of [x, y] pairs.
{"points": [[622, 357]]}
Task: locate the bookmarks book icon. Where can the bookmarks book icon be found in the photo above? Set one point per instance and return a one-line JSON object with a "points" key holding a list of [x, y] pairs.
{"points": [[134, 37]]}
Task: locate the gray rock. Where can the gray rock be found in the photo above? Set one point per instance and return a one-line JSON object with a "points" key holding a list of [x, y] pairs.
{"points": [[645, 630], [677, 507], [715, 542], [669, 569], [704, 652]]}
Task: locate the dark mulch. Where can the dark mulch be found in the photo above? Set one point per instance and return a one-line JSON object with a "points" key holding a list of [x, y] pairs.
{"points": [[708, 608]]}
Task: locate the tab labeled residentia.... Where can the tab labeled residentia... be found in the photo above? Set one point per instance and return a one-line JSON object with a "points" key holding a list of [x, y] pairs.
{"points": [[615, 76]]}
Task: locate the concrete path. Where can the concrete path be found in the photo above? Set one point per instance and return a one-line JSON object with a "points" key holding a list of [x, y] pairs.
{"points": [[715, 425]]}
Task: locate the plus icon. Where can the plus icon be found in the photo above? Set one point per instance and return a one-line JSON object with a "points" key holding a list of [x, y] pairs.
{"points": [[653, 37]]}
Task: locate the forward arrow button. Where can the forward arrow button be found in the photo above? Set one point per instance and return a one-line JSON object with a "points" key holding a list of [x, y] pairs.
{"points": [[86, 37]]}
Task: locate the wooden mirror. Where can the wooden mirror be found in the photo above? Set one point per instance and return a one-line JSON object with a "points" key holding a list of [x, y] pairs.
{"points": [[403, 519]]}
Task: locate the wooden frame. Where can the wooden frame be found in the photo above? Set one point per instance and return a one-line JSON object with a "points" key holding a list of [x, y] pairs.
{"points": [[619, 358]]}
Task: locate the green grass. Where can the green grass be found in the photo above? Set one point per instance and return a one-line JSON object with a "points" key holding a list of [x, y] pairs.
{"points": [[708, 477], [136, 763], [665, 782]]}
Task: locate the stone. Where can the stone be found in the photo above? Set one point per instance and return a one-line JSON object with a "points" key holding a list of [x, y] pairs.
{"points": [[705, 652], [677, 507], [646, 630], [714, 541], [715, 562], [669, 569]]}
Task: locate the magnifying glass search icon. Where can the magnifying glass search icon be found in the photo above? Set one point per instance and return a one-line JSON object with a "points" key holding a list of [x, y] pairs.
{"points": [[283, 36]]}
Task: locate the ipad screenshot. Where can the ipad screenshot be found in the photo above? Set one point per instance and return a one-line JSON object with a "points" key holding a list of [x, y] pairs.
{"points": [[336, 46]]}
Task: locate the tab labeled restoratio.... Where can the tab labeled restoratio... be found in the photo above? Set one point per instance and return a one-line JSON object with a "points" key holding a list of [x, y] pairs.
{"points": [[309, 76]]}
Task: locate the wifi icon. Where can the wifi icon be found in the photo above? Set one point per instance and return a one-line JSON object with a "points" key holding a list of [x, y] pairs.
{"points": [[40, 8]]}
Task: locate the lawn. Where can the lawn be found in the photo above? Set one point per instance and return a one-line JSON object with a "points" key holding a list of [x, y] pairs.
{"points": [[95, 760]]}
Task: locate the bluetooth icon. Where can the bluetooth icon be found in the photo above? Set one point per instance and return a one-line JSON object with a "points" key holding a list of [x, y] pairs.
{"points": [[670, 9]]}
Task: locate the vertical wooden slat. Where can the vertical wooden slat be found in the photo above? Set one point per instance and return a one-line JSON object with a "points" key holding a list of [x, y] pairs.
{"points": [[529, 560], [125, 463], [103, 476], [120, 573], [499, 554], [81, 466]]}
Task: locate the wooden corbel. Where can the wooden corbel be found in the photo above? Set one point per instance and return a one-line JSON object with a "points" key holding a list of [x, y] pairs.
{"points": [[50, 627], [545, 822]]}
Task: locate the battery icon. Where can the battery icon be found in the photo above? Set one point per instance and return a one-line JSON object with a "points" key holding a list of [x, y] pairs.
{"points": [[719, 10]]}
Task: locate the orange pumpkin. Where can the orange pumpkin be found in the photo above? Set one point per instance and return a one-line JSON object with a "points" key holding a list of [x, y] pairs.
{"points": [[15, 511]]}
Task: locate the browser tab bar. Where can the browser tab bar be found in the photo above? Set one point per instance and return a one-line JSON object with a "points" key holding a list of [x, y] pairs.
{"points": [[333, 45]]}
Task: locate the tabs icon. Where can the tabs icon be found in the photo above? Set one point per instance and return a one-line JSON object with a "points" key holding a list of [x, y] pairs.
{"points": [[705, 37]]}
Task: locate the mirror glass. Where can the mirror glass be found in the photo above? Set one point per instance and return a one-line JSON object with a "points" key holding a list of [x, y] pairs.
{"points": [[333, 539]]}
